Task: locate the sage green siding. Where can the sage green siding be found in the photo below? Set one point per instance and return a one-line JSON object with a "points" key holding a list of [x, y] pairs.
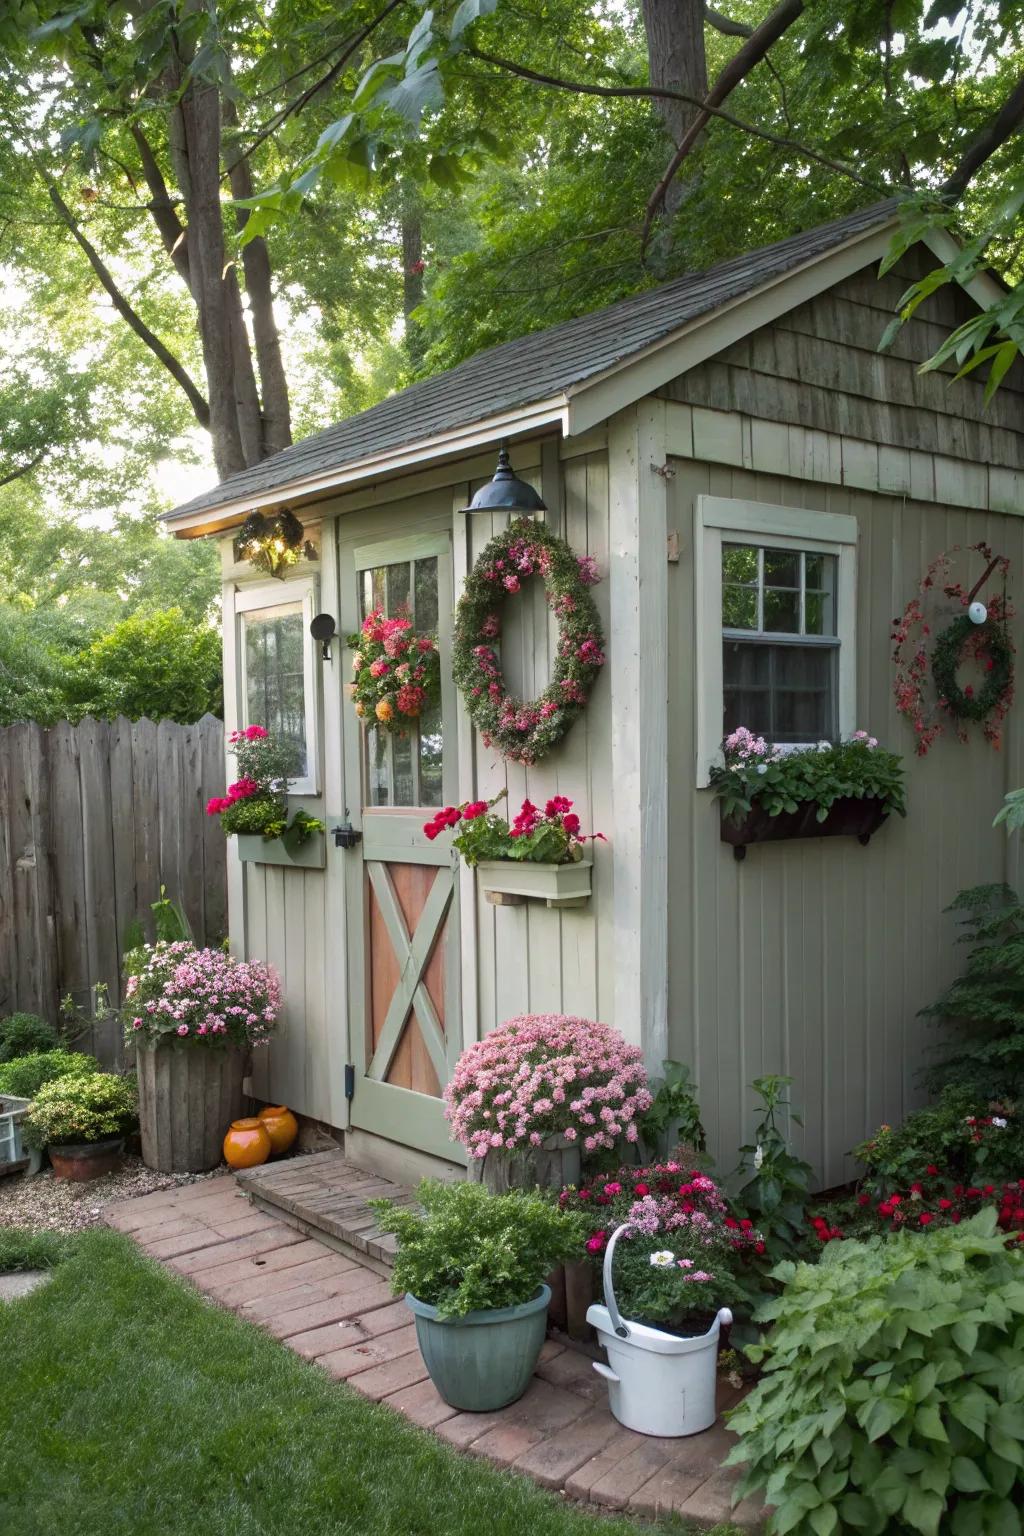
{"points": [[813, 958]]}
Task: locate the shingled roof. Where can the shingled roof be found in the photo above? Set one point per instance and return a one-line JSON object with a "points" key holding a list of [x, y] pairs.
{"points": [[535, 367]]}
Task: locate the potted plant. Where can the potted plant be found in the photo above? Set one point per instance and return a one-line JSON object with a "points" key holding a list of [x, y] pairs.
{"points": [[472, 1266], [539, 1090], [82, 1121], [194, 1016], [539, 855], [670, 1254], [843, 788], [255, 808]]}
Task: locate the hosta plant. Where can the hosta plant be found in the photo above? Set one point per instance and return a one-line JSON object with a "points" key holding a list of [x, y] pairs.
{"points": [[471, 1251], [71, 1110], [892, 1398], [778, 779]]}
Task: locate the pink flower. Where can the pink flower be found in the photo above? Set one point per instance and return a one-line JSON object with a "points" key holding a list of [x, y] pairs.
{"points": [[182, 1029], [255, 733], [474, 809]]}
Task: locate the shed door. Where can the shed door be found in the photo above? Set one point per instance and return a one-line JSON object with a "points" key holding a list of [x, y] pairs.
{"points": [[403, 937]]}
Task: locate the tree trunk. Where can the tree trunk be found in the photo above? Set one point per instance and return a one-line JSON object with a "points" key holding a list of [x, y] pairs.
{"points": [[676, 62], [412, 281]]}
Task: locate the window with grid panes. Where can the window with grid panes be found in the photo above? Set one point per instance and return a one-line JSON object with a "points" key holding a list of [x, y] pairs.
{"points": [[404, 767], [780, 644]]}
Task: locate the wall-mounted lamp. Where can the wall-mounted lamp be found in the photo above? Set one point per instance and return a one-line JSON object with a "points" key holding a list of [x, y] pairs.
{"points": [[505, 492], [324, 629], [272, 544]]}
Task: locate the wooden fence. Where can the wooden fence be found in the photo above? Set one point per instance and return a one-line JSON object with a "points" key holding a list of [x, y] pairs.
{"points": [[94, 819]]}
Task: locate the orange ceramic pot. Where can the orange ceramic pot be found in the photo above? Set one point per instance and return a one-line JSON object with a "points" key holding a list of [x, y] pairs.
{"points": [[247, 1144], [281, 1126]]}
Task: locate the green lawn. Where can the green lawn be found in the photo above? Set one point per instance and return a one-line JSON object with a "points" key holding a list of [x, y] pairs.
{"points": [[131, 1407]]}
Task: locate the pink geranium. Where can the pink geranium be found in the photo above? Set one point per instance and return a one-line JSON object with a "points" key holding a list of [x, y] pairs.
{"points": [[546, 1075]]}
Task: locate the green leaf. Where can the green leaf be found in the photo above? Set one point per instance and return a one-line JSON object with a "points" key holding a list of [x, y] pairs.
{"points": [[923, 1511], [928, 1423], [967, 1476], [468, 12], [823, 1520], [965, 1336]]}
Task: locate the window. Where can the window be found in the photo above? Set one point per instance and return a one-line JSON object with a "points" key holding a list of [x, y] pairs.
{"points": [[277, 681], [776, 589]]}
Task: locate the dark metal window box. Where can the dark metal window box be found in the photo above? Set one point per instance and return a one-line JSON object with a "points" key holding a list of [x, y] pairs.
{"points": [[846, 818]]}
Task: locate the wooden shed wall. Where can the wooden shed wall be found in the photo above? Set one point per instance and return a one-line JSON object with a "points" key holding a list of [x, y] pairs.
{"points": [[813, 958], [819, 367]]}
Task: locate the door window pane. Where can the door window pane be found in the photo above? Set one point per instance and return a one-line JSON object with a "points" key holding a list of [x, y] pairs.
{"points": [[275, 694], [425, 611]]}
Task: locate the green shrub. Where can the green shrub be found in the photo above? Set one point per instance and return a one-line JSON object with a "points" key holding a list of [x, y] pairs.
{"points": [[959, 1138], [23, 1034], [474, 1251], [24, 1077], [775, 1194], [22, 1249], [893, 1387], [985, 1005], [81, 1109]]}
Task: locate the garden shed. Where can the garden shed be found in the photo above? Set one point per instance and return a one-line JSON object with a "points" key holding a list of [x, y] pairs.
{"points": [[742, 408]]}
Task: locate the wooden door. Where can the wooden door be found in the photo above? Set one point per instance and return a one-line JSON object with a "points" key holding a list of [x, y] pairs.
{"points": [[403, 941]]}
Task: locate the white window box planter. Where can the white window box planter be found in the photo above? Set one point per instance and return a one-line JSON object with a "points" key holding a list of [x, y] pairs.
{"points": [[508, 883], [312, 854], [14, 1155]]}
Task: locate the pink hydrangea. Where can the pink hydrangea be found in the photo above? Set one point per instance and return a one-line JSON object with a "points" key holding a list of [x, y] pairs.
{"points": [[517, 1076]]}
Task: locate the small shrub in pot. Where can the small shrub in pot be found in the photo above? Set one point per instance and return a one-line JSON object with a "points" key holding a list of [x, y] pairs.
{"points": [[23, 1077], [81, 1121], [472, 1265]]}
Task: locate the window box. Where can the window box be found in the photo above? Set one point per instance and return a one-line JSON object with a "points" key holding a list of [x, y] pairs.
{"points": [[508, 882], [312, 854], [846, 818]]}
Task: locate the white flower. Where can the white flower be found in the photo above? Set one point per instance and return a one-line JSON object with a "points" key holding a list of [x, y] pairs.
{"points": [[762, 767], [824, 746], [998, 1120], [663, 1258], [759, 1156]]}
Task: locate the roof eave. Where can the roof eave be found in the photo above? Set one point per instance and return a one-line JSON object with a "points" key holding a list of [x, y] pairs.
{"points": [[520, 421]]}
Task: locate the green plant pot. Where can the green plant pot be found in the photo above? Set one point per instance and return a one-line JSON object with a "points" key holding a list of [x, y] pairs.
{"points": [[484, 1360]]}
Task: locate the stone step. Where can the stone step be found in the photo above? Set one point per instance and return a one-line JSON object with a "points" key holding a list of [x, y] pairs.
{"points": [[324, 1195]]}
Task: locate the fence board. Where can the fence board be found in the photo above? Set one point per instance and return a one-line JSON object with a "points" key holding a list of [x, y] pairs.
{"points": [[94, 818]]}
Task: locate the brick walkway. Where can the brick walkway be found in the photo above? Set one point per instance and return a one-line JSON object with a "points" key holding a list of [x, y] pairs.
{"points": [[331, 1309]]}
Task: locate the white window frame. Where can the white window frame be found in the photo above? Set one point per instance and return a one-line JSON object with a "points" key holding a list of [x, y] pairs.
{"points": [[300, 591], [725, 519]]}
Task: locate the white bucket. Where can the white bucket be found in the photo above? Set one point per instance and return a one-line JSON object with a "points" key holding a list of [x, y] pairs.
{"points": [[658, 1383]]}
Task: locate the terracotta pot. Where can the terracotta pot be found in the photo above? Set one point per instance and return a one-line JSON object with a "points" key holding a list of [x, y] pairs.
{"points": [[247, 1143], [281, 1126], [87, 1160]]}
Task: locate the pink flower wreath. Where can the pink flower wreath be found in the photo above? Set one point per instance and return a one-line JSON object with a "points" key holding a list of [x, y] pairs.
{"points": [[525, 730]]}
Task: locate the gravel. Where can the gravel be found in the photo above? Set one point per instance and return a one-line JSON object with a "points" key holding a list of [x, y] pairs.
{"points": [[46, 1203]]}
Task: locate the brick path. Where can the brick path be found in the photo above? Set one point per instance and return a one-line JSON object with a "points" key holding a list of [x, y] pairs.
{"points": [[332, 1310]]}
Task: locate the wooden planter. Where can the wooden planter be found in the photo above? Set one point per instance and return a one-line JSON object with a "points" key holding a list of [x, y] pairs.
{"points": [[508, 883], [552, 1165], [312, 854], [846, 818], [188, 1097]]}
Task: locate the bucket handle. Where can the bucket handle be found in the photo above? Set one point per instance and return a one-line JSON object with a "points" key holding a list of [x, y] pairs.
{"points": [[619, 1324]]}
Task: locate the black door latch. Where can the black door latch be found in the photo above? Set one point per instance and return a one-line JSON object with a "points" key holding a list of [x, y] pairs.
{"points": [[346, 836]]}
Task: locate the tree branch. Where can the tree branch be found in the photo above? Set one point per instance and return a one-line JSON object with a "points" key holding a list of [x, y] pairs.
{"points": [[172, 230], [124, 309], [737, 69], [649, 92], [725, 24], [981, 148], [26, 469]]}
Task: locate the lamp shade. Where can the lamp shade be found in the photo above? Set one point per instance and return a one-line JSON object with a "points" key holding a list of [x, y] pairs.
{"points": [[506, 493]]}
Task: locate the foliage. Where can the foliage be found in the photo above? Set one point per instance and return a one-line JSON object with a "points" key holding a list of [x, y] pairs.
{"points": [[776, 1193], [891, 1394], [397, 674], [471, 1251], [525, 731], [683, 1255], [960, 1137], [1011, 812], [673, 1117], [987, 645], [21, 1248], [130, 1340], [85, 1107], [543, 1075], [25, 1034], [778, 780], [201, 996], [160, 665], [24, 1077], [985, 1004], [551, 836], [256, 804]]}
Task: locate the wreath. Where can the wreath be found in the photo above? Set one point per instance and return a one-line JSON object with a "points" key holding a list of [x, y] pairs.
{"points": [[985, 643], [962, 640], [396, 672], [526, 730]]}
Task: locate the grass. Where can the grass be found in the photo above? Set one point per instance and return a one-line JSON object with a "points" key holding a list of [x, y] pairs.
{"points": [[132, 1407], [22, 1249]]}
